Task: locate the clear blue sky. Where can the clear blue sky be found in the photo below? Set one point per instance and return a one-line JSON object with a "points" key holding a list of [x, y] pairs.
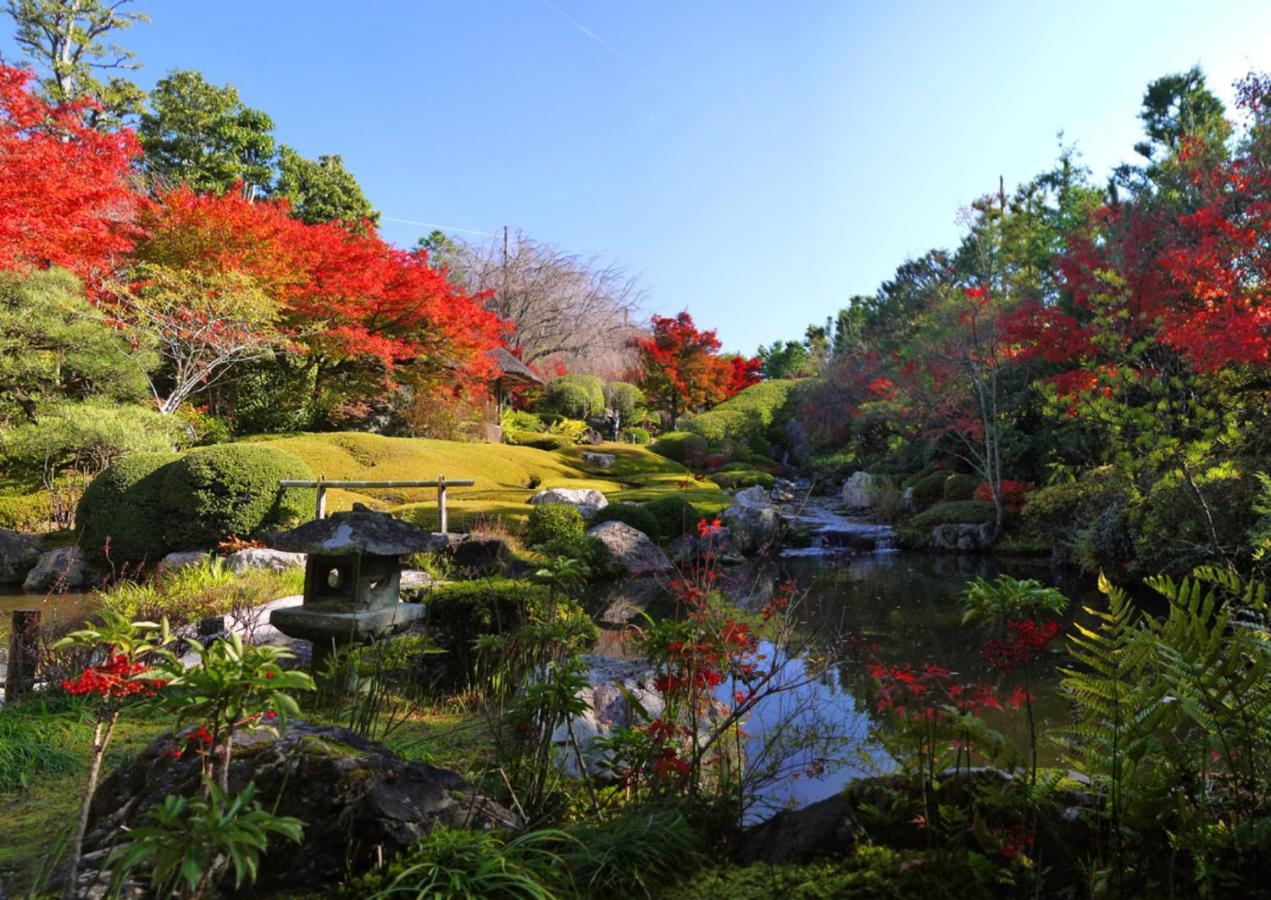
{"points": [[755, 162]]}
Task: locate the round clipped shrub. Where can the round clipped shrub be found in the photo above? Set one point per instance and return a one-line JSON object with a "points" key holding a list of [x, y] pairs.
{"points": [[574, 396], [929, 489], [960, 487], [230, 489], [625, 399], [552, 522], [679, 446], [536, 440], [673, 516], [121, 507], [636, 435], [633, 514], [735, 480]]}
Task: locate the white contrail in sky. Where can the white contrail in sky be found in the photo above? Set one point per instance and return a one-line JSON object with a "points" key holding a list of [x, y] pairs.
{"points": [[591, 34], [435, 225]]}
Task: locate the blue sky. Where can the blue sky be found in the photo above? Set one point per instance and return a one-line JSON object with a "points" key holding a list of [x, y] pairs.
{"points": [[755, 163]]}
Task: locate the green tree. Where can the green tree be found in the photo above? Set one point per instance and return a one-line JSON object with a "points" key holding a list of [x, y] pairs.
{"points": [[784, 359], [204, 136], [68, 40], [322, 190], [55, 345]]}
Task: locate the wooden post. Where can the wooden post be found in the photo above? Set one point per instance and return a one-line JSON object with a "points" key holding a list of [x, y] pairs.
{"points": [[24, 633], [441, 504], [321, 511]]}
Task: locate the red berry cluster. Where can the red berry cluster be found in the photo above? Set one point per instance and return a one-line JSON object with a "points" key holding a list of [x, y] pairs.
{"points": [[114, 680]]}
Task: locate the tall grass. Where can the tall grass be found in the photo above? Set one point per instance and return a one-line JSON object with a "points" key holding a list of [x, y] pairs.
{"points": [[195, 592], [33, 741]]}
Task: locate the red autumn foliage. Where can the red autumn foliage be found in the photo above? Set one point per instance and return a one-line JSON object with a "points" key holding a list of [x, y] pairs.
{"points": [[1024, 642], [683, 371], [114, 680], [65, 197], [1013, 494]]}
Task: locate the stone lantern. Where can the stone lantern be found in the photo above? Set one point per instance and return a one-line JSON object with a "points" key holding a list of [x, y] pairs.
{"points": [[352, 578]]}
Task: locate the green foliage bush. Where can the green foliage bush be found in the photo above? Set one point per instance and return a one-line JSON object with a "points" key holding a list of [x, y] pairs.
{"points": [[963, 511], [747, 418], [929, 489], [121, 505], [537, 441], [25, 512], [1173, 535], [679, 446], [674, 516], [634, 514], [553, 521], [574, 396], [625, 399], [520, 420], [459, 612], [636, 435], [1068, 507], [230, 489], [960, 487], [89, 435], [743, 479]]}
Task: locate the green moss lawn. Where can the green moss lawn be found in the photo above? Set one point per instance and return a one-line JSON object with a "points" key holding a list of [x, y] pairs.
{"points": [[503, 474]]}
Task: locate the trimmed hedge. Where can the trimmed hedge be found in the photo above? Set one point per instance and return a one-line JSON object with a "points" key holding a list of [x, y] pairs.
{"points": [[678, 446], [636, 435], [673, 516], [633, 514], [574, 396], [231, 489], [748, 417], [960, 487], [459, 612], [536, 440], [553, 522], [930, 488], [960, 512], [121, 505], [743, 479]]}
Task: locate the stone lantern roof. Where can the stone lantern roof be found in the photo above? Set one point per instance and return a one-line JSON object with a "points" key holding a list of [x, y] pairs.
{"points": [[360, 531]]}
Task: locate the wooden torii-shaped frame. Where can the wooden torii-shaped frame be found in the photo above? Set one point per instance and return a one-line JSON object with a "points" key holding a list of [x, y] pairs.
{"points": [[322, 485]]}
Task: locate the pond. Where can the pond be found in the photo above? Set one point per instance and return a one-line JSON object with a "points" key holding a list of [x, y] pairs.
{"points": [[55, 609], [892, 608]]}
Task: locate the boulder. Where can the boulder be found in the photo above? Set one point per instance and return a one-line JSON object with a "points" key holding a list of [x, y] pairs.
{"points": [[360, 802], [263, 558], [618, 602], [861, 490], [962, 537], [184, 559], [599, 460], [612, 684], [56, 570], [587, 501], [630, 548], [18, 554], [688, 548], [480, 552], [826, 828], [416, 579], [753, 520]]}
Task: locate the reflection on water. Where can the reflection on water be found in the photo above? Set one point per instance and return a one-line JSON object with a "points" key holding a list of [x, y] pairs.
{"points": [[55, 609], [893, 608]]}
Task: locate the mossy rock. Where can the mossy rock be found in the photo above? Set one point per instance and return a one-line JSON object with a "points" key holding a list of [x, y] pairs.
{"points": [[960, 487]]}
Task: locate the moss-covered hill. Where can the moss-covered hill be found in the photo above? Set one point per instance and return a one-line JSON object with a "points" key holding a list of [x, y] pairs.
{"points": [[503, 474]]}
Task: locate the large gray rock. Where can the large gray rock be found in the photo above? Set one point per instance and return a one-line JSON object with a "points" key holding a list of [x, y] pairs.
{"points": [[619, 601], [18, 554], [963, 537], [262, 558], [360, 802], [587, 501], [56, 570], [480, 552], [689, 548], [184, 559], [862, 490], [630, 548], [753, 520], [599, 460], [612, 683]]}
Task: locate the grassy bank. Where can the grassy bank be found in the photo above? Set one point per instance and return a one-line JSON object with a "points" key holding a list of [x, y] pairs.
{"points": [[506, 476]]}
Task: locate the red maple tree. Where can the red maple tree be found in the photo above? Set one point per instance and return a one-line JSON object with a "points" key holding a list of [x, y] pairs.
{"points": [[683, 371], [65, 197]]}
